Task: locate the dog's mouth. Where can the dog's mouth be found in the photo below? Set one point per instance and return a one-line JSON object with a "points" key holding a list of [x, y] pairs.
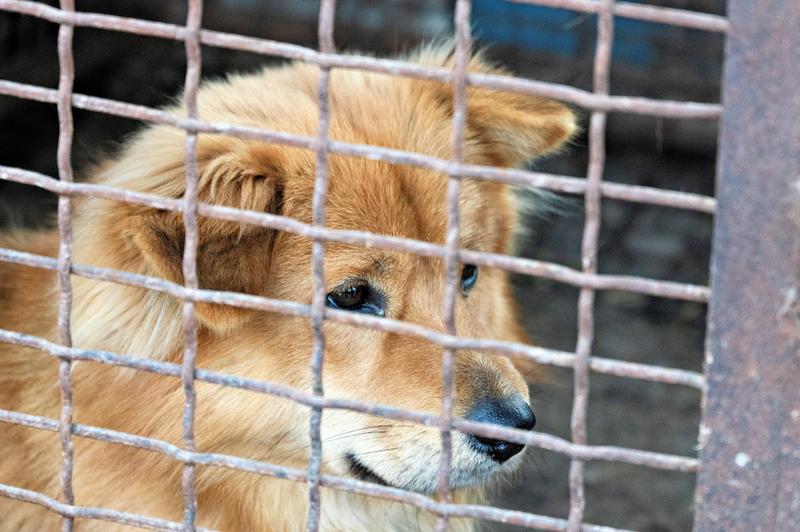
{"points": [[466, 476], [362, 472]]}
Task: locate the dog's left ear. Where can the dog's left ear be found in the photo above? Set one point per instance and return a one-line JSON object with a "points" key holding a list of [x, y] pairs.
{"points": [[508, 128], [515, 128]]}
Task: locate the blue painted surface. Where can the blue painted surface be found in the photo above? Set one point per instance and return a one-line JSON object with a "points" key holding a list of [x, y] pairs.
{"points": [[558, 31]]}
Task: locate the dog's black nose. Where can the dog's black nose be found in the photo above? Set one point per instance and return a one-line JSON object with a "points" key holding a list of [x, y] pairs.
{"points": [[508, 411]]}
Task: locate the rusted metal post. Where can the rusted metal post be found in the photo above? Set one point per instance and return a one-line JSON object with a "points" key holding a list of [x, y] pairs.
{"points": [[750, 437]]}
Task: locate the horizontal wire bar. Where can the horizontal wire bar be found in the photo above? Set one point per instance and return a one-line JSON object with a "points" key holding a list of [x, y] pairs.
{"points": [[628, 104], [511, 349], [557, 183], [557, 272], [71, 510], [659, 14], [537, 439], [663, 15], [597, 102], [296, 475]]}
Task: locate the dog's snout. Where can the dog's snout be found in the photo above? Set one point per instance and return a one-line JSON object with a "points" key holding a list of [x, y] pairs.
{"points": [[508, 411]]}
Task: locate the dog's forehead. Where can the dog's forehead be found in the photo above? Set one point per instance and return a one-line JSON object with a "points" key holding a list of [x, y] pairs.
{"points": [[400, 200]]}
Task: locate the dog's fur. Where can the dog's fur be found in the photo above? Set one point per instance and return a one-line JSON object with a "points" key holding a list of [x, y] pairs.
{"points": [[503, 130]]}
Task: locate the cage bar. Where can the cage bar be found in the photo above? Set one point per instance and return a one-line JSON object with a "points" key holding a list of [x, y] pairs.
{"points": [[297, 475], [669, 289], [750, 433], [510, 349], [70, 511], [317, 312], [659, 14], [557, 183], [565, 93], [545, 441], [600, 102], [64, 159], [463, 44], [589, 248], [191, 244]]}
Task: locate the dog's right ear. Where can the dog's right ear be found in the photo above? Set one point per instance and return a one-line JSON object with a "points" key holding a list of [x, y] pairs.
{"points": [[231, 256]]}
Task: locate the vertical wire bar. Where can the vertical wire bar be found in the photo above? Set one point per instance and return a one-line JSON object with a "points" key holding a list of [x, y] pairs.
{"points": [[64, 160], [463, 44], [193, 67], [594, 177], [326, 45]]}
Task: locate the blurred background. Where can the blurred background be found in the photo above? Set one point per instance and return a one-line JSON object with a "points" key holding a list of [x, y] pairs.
{"points": [[649, 60]]}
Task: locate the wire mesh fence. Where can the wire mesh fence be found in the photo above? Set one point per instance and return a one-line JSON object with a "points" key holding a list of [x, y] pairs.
{"points": [[600, 102]]}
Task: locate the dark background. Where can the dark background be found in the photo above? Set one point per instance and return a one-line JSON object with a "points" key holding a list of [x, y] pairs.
{"points": [[650, 60]]}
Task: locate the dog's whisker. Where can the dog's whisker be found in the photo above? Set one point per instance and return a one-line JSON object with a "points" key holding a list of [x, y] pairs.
{"points": [[376, 451], [338, 438], [360, 432]]}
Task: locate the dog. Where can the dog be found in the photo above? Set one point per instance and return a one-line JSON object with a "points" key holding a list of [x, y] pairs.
{"points": [[503, 129]]}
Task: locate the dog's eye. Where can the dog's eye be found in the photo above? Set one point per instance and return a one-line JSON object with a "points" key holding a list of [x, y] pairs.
{"points": [[357, 297], [469, 275]]}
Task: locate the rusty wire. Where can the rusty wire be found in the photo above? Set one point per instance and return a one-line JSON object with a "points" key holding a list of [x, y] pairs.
{"points": [[194, 13], [565, 184], [641, 285], [327, 13], [463, 43], [658, 14], [593, 188], [64, 159], [589, 249], [261, 468], [663, 15], [581, 98], [296, 475], [545, 441], [70, 511], [514, 350]]}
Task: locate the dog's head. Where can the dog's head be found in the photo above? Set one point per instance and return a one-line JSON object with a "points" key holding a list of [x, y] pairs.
{"points": [[503, 129]]}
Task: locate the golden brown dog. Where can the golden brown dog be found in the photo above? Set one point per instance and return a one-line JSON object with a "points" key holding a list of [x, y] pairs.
{"points": [[503, 130]]}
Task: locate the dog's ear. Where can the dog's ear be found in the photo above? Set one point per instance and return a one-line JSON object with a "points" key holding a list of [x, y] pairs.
{"points": [[231, 256], [508, 128], [515, 128]]}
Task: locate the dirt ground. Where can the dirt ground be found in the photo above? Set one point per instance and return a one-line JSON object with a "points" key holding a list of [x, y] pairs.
{"points": [[642, 240]]}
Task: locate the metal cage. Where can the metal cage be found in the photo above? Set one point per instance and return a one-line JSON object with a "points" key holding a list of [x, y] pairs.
{"points": [[749, 465]]}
